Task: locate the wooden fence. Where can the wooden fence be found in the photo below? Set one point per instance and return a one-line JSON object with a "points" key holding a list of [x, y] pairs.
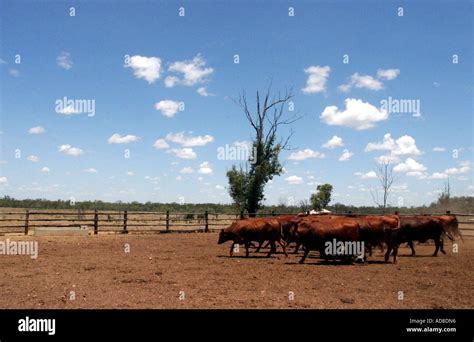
{"points": [[24, 221]]}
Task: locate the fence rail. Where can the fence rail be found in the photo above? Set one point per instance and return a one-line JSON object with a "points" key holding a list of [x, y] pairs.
{"points": [[20, 221]]}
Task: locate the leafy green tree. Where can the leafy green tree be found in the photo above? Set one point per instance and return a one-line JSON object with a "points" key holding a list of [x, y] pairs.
{"points": [[322, 197]]}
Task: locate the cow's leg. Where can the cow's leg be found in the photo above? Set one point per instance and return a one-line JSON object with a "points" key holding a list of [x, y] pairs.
{"points": [[410, 243], [232, 249], [441, 247], [266, 246], [272, 248], [369, 249], [306, 251], [389, 249], [437, 244], [395, 252], [283, 247], [259, 246], [298, 244], [247, 245]]}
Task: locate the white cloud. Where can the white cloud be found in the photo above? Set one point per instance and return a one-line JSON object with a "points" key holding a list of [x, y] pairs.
{"points": [[359, 115], [205, 168], [439, 149], [3, 181], [45, 169], [90, 170], [189, 141], [161, 144], [438, 175], [410, 166], [465, 167], [305, 154], [317, 79], [148, 68], [388, 74], [334, 142], [203, 92], [219, 187], [387, 159], [405, 145], [168, 107], [130, 173], [361, 81], [193, 72], [64, 60], [33, 158], [346, 155], [368, 175], [118, 139], [69, 150], [36, 130], [186, 170], [184, 153], [68, 110], [294, 180]]}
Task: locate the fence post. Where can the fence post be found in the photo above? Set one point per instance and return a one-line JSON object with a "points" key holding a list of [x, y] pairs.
{"points": [[273, 212], [96, 222], [125, 231], [448, 212], [27, 219], [241, 214], [206, 221], [167, 220]]}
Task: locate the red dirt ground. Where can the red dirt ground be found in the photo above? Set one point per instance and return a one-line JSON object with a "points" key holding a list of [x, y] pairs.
{"points": [[159, 266]]}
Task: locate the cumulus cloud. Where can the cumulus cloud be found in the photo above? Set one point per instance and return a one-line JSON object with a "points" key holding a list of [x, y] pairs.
{"points": [[45, 169], [64, 60], [388, 74], [361, 81], [294, 180], [405, 145], [3, 181], [148, 68], [439, 149], [359, 115], [410, 166], [193, 72], [305, 154], [168, 107], [90, 170], [186, 170], [367, 175], [334, 142], [161, 144], [184, 153], [126, 139], [36, 130], [346, 155], [205, 168], [317, 78], [69, 150], [189, 141], [33, 158]]}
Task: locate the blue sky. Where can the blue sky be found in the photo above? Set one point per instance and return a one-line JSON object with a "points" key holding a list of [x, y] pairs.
{"points": [[175, 60]]}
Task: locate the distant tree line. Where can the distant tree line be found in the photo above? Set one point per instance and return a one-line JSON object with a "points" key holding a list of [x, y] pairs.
{"points": [[456, 205]]}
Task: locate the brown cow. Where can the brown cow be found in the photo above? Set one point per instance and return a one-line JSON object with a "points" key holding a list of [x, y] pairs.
{"points": [[419, 228], [315, 233], [287, 223], [255, 229]]}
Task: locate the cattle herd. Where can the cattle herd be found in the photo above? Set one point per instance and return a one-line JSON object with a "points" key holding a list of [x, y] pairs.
{"points": [[348, 237]]}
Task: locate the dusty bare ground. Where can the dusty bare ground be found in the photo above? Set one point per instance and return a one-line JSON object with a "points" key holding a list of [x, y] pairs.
{"points": [[159, 266]]}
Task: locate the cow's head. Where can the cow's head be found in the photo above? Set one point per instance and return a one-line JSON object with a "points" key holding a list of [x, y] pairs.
{"points": [[224, 236]]}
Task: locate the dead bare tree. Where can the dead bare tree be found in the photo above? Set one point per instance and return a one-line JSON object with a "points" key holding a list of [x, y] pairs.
{"points": [[386, 179]]}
